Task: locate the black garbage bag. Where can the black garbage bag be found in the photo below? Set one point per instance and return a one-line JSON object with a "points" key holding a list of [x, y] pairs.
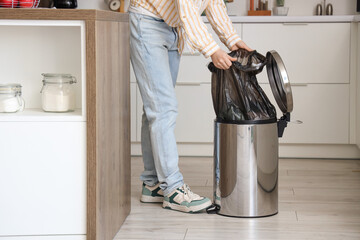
{"points": [[236, 93]]}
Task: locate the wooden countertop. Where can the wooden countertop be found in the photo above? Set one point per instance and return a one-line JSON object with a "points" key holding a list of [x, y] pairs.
{"points": [[61, 14]]}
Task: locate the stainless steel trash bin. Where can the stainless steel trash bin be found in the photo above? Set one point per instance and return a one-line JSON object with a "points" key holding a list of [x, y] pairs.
{"points": [[246, 155], [246, 169]]}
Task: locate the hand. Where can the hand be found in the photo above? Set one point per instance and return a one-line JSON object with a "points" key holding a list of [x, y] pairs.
{"points": [[221, 59], [240, 44]]}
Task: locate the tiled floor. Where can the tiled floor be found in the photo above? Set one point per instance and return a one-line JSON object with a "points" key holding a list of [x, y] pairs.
{"points": [[318, 199]]}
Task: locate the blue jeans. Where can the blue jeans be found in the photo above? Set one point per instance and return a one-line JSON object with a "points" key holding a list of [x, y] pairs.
{"points": [[155, 60]]}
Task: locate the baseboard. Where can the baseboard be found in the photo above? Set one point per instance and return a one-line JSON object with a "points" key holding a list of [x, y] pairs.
{"points": [[334, 151], [44, 237]]}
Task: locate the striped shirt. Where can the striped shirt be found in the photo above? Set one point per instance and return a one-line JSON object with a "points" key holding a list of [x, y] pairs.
{"points": [[185, 15]]}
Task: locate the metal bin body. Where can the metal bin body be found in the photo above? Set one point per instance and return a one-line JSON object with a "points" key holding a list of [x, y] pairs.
{"points": [[246, 169]]}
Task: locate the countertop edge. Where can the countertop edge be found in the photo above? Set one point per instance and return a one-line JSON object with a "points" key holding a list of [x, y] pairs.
{"points": [[293, 19], [61, 14]]}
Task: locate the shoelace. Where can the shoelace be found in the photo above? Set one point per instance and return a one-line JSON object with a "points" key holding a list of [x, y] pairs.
{"points": [[188, 193]]}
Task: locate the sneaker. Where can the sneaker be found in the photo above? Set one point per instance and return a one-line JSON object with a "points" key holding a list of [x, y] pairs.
{"points": [[184, 200], [151, 194]]}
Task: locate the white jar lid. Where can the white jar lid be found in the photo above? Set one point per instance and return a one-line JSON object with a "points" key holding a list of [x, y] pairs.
{"points": [[10, 88], [58, 78]]}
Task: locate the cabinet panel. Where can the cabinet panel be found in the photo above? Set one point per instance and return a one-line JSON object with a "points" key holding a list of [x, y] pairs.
{"points": [[357, 104], [195, 122], [133, 122], [139, 112], [33, 50], [324, 110], [195, 114], [312, 53], [42, 178], [132, 75]]}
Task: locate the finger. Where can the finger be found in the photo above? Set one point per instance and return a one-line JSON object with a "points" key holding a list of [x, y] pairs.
{"points": [[218, 65], [247, 48], [232, 59], [224, 67], [228, 63], [221, 65], [234, 48]]}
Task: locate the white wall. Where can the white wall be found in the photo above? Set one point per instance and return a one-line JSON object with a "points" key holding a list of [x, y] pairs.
{"points": [[298, 7]]}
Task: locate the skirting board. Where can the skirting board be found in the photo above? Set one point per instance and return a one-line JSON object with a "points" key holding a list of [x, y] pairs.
{"points": [[334, 151], [47, 237]]}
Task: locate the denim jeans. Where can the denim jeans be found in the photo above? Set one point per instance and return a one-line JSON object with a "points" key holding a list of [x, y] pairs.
{"points": [[155, 60]]}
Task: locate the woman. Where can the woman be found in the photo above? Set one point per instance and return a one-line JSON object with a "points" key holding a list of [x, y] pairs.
{"points": [[159, 30]]}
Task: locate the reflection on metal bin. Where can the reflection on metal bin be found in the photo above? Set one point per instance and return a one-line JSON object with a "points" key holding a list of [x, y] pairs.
{"points": [[246, 169], [246, 155]]}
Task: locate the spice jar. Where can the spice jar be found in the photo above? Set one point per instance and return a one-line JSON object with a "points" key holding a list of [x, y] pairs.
{"points": [[10, 98], [58, 93]]}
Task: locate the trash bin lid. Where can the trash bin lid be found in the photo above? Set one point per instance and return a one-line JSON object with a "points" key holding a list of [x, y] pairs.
{"points": [[279, 81]]}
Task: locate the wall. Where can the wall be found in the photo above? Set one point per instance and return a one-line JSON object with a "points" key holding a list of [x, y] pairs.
{"points": [[296, 7]]}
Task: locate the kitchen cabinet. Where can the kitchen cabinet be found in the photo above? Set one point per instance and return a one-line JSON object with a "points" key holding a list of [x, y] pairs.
{"points": [[319, 126], [318, 58], [133, 95], [319, 74], [43, 183], [357, 104], [312, 52], [65, 175]]}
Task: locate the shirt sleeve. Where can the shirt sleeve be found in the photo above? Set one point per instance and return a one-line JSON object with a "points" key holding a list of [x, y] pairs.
{"points": [[194, 28], [221, 23]]}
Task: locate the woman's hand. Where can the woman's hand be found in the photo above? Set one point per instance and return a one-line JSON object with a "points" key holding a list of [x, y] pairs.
{"points": [[240, 44], [221, 59]]}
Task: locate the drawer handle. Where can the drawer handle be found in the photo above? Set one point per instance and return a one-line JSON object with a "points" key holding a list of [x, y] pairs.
{"points": [[188, 83], [295, 24]]}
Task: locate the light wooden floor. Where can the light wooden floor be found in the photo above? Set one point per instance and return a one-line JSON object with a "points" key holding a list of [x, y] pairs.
{"points": [[318, 199]]}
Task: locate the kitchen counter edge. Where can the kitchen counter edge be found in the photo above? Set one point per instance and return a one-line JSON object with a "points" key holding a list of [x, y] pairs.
{"points": [[61, 14], [293, 19]]}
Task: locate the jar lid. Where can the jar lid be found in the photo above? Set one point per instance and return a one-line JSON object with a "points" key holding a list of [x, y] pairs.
{"points": [[58, 78], [10, 88]]}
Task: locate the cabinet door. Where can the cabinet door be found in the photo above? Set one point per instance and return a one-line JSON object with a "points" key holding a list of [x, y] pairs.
{"points": [[357, 104], [42, 178], [324, 110], [312, 53], [195, 122], [133, 123], [196, 116]]}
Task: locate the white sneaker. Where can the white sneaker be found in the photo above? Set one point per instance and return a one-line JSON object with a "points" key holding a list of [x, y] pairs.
{"points": [[184, 200], [151, 194]]}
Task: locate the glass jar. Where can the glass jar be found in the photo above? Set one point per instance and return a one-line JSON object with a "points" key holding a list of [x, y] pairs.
{"points": [[10, 98], [58, 92]]}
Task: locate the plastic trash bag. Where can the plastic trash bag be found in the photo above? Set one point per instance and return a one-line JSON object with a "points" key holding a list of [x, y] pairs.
{"points": [[236, 93]]}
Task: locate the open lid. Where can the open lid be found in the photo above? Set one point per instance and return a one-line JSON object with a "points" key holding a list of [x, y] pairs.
{"points": [[279, 81]]}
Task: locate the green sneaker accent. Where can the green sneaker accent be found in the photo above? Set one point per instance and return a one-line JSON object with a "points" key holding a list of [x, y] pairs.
{"points": [[151, 194], [171, 198], [184, 200]]}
